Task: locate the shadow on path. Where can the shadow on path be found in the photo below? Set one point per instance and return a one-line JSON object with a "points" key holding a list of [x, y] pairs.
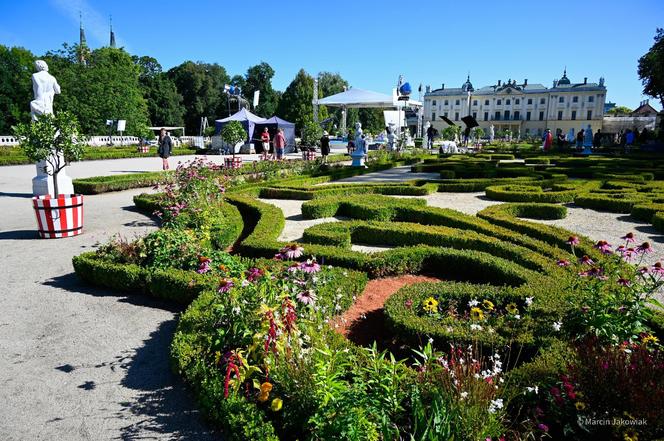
{"points": [[15, 195], [164, 405], [19, 235], [70, 282]]}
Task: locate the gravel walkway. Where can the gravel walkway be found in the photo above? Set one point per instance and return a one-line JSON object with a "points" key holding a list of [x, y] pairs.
{"points": [[77, 362]]}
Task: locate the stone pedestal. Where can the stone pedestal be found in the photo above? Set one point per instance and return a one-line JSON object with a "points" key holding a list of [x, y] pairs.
{"points": [[358, 158], [42, 184]]}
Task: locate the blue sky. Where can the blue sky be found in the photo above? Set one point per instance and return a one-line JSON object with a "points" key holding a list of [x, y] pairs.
{"points": [[368, 42]]}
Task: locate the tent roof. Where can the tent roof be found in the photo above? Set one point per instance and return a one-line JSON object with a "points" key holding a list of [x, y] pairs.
{"points": [[361, 98], [165, 127], [242, 115], [278, 121]]}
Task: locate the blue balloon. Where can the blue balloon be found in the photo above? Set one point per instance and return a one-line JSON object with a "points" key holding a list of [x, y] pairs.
{"points": [[405, 89]]}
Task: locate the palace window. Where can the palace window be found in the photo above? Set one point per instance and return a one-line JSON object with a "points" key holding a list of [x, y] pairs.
{"points": [[541, 116], [456, 116], [590, 114], [591, 99], [486, 116], [517, 101], [499, 102], [560, 115], [517, 115], [508, 102], [497, 116], [457, 102], [446, 115], [575, 99], [474, 102], [573, 114], [561, 99], [527, 116], [434, 103], [486, 102], [507, 115], [475, 115], [542, 101], [433, 116], [530, 100], [447, 103]]}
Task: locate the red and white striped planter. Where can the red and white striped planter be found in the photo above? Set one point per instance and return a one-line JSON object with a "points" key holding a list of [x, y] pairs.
{"points": [[235, 162], [143, 149], [308, 155], [61, 217]]}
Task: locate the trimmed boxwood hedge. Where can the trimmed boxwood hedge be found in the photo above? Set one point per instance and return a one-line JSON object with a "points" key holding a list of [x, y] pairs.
{"points": [[614, 203], [104, 184], [645, 212], [528, 193], [658, 221]]}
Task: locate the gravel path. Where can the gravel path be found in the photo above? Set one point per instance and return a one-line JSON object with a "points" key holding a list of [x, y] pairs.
{"points": [[76, 362]]}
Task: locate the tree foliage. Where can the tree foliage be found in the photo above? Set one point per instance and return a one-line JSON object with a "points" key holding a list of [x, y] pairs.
{"points": [[259, 77], [233, 133], [619, 111], [51, 138], [296, 102], [16, 67], [164, 102], [651, 68], [202, 88], [107, 88]]}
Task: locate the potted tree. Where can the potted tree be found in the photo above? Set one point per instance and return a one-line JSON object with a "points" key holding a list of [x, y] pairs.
{"points": [[233, 133], [311, 135], [54, 139]]}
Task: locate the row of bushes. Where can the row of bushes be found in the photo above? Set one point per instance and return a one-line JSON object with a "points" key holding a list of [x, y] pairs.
{"points": [[528, 193], [346, 189]]}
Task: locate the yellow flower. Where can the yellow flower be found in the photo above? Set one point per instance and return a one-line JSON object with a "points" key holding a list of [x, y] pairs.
{"points": [[263, 396], [266, 387], [476, 313], [580, 405], [276, 405], [430, 305], [650, 339], [631, 435], [488, 305], [511, 308]]}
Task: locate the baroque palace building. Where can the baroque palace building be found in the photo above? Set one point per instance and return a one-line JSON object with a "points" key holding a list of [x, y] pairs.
{"points": [[525, 109]]}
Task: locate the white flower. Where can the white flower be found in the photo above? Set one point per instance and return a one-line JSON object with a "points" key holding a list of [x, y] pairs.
{"points": [[449, 329], [430, 340], [473, 303], [495, 405], [245, 283], [529, 301], [517, 316], [329, 267], [463, 395], [532, 389], [557, 325], [475, 327]]}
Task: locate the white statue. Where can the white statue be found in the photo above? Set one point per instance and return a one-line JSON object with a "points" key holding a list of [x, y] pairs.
{"points": [[360, 143], [45, 87], [391, 137], [491, 133]]}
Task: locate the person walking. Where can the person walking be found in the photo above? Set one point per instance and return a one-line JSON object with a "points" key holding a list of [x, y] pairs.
{"points": [[279, 144], [265, 142], [430, 134], [579, 138], [165, 148], [597, 139], [547, 140], [325, 146]]}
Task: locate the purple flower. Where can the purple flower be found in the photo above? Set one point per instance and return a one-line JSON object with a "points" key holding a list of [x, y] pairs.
{"points": [[642, 270], [629, 237], [624, 282], [563, 262], [408, 303], [307, 297], [603, 246], [628, 254], [292, 251], [310, 266], [203, 267], [278, 256], [573, 240], [586, 260], [543, 427], [224, 286], [254, 274], [657, 268], [644, 248]]}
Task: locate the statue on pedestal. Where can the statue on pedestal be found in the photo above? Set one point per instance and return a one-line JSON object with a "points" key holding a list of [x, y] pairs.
{"points": [[491, 133], [360, 151], [45, 87], [588, 141]]}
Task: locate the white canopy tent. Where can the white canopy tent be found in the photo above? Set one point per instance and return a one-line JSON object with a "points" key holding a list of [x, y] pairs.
{"points": [[167, 128], [359, 98]]}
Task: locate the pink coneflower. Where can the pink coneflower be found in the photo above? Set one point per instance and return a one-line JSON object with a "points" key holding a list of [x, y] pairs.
{"points": [[629, 237], [292, 251], [628, 254], [224, 286], [310, 266], [254, 274], [586, 260], [278, 256], [203, 265], [642, 270], [408, 303], [603, 246], [563, 262], [293, 267], [306, 297], [644, 248], [573, 240], [624, 282], [657, 268], [621, 250]]}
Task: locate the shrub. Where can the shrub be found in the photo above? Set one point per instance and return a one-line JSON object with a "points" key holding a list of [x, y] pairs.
{"points": [[524, 193], [614, 203], [645, 212]]}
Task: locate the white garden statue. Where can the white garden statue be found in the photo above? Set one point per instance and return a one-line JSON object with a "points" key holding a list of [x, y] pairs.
{"points": [[358, 155], [45, 87]]}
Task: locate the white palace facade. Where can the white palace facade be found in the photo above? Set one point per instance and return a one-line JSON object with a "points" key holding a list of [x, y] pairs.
{"points": [[528, 109]]}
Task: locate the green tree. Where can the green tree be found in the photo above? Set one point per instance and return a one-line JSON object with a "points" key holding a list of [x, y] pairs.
{"points": [[16, 68], [651, 68], [259, 77], [296, 102], [233, 133], [164, 102], [107, 88], [372, 120], [202, 88], [619, 111]]}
